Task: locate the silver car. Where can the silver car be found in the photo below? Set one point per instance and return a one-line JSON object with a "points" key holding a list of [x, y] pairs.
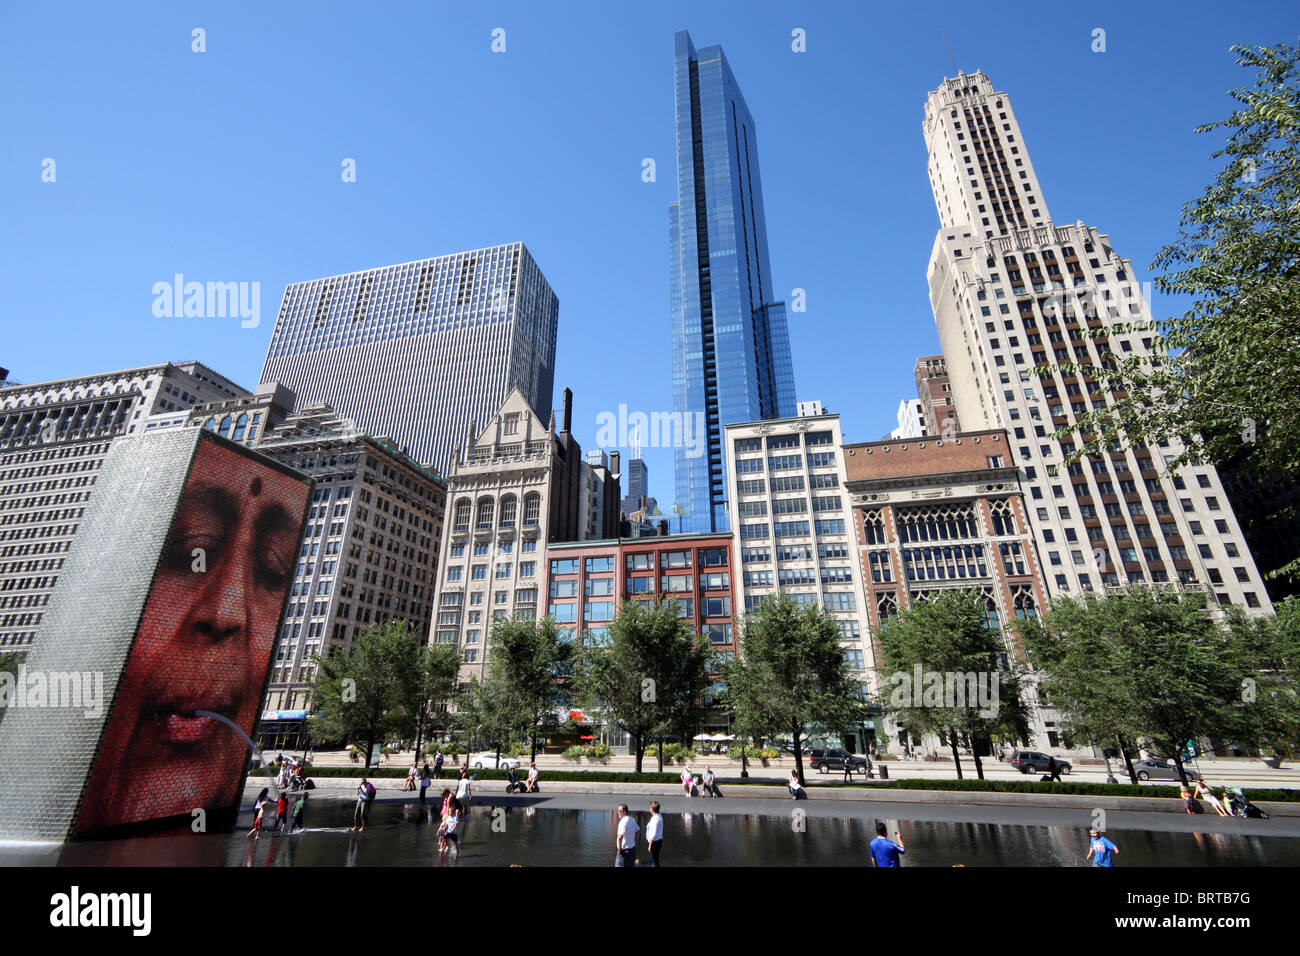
{"points": [[489, 759], [1152, 769]]}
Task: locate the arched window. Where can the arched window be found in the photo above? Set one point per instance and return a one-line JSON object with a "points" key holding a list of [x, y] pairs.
{"points": [[224, 430], [461, 522], [240, 425], [484, 520], [1022, 599], [508, 508], [210, 424], [1001, 513], [532, 508]]}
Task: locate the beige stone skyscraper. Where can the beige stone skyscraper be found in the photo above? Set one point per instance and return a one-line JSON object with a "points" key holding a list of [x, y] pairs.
{"points": [[1011, 290]]}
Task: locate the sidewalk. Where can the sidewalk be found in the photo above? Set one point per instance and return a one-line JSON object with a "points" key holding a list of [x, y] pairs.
{"points": [[344, 788]]}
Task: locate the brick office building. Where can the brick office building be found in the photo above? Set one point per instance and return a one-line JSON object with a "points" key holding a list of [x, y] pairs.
{"points": [[941, 513], [586, 581]]}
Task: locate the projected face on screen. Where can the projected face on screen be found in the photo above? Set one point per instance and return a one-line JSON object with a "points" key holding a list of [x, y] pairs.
{"points": [[204, 644]]}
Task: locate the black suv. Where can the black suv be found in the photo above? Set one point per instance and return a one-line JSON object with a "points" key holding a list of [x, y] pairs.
{"points": [[1031, 761], [824, 761]]}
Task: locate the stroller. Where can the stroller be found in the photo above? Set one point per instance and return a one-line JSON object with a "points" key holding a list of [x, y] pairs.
{"points": [[514, 784], [1240, 806]]}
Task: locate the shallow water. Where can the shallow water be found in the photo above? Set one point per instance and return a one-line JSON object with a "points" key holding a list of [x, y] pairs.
{"points": [[403, 835]]}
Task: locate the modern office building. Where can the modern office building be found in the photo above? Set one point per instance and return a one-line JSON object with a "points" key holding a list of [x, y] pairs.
{"points": [[935, 392], [936, 513], [513, 490], [731, 348], [53, 437], [792, 523], [369, 553], [1011, 291], [586, 581], [911, 420], [423, 352]]}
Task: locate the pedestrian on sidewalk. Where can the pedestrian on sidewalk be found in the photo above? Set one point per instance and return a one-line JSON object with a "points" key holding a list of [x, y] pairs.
{"points": [[424, 781], [1053, 769], [654, 832], [437, 765], [625, 841], [884, 851], [848, 768]]}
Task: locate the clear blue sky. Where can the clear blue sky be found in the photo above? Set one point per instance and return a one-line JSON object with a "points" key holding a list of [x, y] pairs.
{"points": [[225, 166]]}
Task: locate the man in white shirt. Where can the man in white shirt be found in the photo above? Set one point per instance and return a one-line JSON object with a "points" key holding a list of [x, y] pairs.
{"points": [[530, 785], [654, 832], [625, 843]]}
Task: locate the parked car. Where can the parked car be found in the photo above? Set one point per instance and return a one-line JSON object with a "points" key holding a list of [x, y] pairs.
{"points": [[1031, 761], [489, 759], [826, 760], [1153, 769]]}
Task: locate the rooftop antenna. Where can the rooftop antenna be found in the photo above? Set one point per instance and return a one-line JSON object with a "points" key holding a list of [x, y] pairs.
{"points": [[636, 441], [949, 49]]}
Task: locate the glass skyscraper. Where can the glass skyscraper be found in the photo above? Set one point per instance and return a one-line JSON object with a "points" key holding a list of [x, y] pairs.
{"points": [[419, 352], [731, 349]]}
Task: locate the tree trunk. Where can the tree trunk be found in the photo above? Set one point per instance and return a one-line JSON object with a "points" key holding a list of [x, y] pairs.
{"points": [[979, 765], [370, 746], [1182, 771], [660, 742], [419, 735], [798, 757], [636, 746], [956, 757], [1128, 761]]}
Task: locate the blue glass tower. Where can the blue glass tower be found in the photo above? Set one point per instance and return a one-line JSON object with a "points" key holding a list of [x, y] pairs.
{"points": [[731, 349]]}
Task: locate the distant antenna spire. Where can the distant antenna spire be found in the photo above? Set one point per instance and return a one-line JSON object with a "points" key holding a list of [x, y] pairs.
{"points": [[636, 441], [949, 49]]}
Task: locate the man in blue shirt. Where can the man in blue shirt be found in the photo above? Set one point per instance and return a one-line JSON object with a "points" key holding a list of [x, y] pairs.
{"points": [[1100, 850], [884, 851]]}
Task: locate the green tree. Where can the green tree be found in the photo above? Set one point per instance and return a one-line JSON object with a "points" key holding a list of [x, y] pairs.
{"points": [[358, 692], [649, 674], [1174, 673], [790, 675], [1270, 700], [427, 688], [971, 684], [534, 662], [1081, 673], [489, 711], [1225, 375]]}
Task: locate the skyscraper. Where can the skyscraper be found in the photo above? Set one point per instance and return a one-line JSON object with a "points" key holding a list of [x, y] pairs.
{"points": [[1011, 292], [731, 349], [424, 352]]}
